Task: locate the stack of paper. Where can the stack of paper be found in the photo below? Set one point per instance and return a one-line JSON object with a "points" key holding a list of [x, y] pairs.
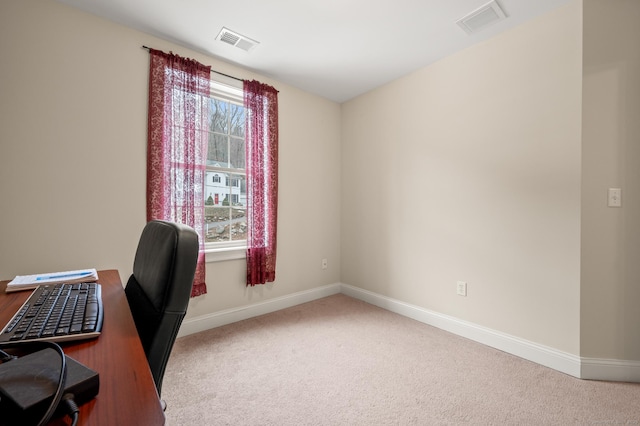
{"points": [[27, 282]]}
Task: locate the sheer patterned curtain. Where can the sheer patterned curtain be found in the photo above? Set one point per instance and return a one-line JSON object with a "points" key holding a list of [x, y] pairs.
{"points": [[261, 106], [177, 145]]}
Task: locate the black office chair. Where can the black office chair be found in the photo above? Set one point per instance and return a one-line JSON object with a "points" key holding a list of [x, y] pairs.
{"points": [[158, 291]]}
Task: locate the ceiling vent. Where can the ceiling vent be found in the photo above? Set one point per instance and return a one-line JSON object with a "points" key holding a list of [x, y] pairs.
{"points": [[482, 17], [235, 39]]}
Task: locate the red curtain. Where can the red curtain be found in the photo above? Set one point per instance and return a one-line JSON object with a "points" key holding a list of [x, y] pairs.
{"points": [[177, 145], [261, 106]]}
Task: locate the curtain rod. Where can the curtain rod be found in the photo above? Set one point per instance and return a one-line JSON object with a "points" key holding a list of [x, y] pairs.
{"points": [[217, 72]]}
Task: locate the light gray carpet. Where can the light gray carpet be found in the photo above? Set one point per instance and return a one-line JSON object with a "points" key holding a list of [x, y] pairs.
{"points": [[340, 361]]}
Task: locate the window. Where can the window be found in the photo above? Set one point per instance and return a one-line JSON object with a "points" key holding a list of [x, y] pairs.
{"points": [[184, 152], [225, 189]]}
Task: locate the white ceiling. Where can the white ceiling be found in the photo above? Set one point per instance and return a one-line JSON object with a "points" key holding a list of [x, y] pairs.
{"points": [[337, 49]]}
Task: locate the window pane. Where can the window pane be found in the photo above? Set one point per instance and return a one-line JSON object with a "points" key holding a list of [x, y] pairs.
{"points": [[237, 153], [239, 223], [219, 116], [238, 190], [236, 120], [218, 149], [216, 224]]}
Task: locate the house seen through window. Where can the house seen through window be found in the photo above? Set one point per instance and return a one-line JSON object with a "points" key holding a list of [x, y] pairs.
{"points": [[225, 189]]}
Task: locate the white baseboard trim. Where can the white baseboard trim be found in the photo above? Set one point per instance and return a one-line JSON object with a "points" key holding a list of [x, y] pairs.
{"points": [[610, 369], [573, 365], [228, 316], [549, 357]]}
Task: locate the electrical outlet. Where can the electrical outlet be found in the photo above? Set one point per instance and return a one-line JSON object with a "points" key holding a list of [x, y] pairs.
{"points": [[325, 265], [614, 197], [461, 288]]}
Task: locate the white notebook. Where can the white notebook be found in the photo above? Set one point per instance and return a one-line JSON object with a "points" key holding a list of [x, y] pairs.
{"points": [[29, 282]]}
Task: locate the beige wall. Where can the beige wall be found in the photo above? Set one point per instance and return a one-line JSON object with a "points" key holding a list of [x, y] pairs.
{"points": [[469, 170], [73, 93], [610, 270]]}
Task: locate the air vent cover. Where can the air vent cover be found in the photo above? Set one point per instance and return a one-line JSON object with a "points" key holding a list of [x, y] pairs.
{"points": [[235, 39], [482, 17]]}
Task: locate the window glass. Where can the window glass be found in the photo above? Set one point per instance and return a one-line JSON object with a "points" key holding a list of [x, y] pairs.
{"points": [[226, 189]]}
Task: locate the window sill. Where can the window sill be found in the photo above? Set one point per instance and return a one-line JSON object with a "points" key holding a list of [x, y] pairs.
{"points": [[226, 253]]}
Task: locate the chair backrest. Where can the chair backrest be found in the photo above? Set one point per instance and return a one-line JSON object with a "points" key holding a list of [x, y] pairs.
{"points": [[158, 291]]}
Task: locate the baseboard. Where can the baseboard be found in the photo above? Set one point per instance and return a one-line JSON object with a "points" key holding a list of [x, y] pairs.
{"points": [[549, 357], [610, 369], [573, 365], [228, 316]]}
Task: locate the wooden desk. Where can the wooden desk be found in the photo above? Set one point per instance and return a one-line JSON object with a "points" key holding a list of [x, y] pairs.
{"points": [[127, 393]]}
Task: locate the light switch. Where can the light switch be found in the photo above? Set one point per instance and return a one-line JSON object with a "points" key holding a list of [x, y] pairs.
{"points": [[615, 197]]}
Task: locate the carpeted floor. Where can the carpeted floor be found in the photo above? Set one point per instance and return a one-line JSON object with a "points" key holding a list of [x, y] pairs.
{"points": [[340, 361]]}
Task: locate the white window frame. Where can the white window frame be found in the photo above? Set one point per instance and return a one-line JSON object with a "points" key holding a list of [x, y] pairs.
{"points": [[230, 90]]}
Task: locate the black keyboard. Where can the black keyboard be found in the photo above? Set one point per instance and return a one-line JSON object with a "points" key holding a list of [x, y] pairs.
{"points": [[57, 312]]}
